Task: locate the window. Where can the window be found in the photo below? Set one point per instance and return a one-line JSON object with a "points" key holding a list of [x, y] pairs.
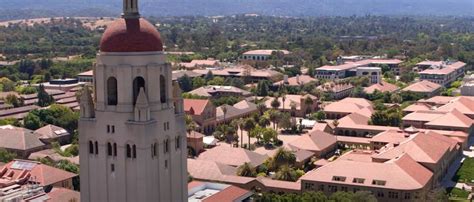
{"points": [[380, 194], [339, 178], [392, 194], [308, 186], [113, 129], [344, 189], [153, 149], [166, 163], [162, 89], [407, 196], [358, 180], [178, 142], [112, 167], [112, 91], [166, 146], [138, 83], [332, 188], [129, 151], [108, 128], [134, 151], [96, 148], [378, 182], [91, 147], [321, 187], [115, 149], [109, 149]]}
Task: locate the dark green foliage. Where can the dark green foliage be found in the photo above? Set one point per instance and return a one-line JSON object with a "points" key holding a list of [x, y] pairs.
{"points": [[56, 114], [185, 83], [361, 196], [6, 156], [44, 99]]}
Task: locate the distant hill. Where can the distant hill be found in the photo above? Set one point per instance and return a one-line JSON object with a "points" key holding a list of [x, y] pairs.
{"points": [[11, 9]]}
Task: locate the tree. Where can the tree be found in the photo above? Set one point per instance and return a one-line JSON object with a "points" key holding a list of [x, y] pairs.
{"points": [[248, 126], [44, 99], [14, 100], [185, 83], [275, 103], [309, 104], [261, 108], [283, 157], [286, 173], [335, 122], [32, 121], [6, 156], [388, 117], [264, 121], [198, 82], [274, 116], [262, 88], [311, 71], [224, 111], [318, 116], [209, 76], [396, 98], [269, 135], [7, 84], [358, 92], [285, 121], [216, 81], [246, 170]]}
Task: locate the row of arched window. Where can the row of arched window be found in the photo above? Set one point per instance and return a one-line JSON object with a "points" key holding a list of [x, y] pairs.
{"points": [[138, 83], [131, 149]]}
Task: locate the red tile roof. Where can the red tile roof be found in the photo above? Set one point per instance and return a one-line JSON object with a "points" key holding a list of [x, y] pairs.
{"points": [[232, 156], [63, 194], [423, 86], [381, 87], [195, 106], [230, 193]]}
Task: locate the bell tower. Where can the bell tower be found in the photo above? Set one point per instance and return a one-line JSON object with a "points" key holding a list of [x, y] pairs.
{"points": [[131, 131]]}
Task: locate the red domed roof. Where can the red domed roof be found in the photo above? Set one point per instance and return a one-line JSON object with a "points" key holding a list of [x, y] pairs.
{"points": [[131, 35]]}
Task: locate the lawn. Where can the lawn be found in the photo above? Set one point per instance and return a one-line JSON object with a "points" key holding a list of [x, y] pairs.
{"points": [[465, 172], [457, 194]]}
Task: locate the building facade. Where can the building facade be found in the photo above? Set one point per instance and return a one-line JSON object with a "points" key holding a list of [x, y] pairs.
{"points": [[132, 135]]}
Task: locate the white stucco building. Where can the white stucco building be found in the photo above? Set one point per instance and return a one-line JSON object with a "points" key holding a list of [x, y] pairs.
{"points": [[131, 131], [374, 73]]}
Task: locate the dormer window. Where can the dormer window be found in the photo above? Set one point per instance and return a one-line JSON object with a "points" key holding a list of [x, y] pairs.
{"points": [[339, 178], [358, 180], [379, 182]]}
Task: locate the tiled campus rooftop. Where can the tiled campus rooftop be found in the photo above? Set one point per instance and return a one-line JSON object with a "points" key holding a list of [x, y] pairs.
{"points": [[423, 86], [405, 174]]}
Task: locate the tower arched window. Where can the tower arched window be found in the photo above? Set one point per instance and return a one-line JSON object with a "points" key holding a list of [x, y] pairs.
{"points": [[129, 151], [96, 147], [166, 146], [112, 93], [109, 149], [163, 96], [115, 149], [91, 147], [134, 151], [138, 83], [178, 142]]}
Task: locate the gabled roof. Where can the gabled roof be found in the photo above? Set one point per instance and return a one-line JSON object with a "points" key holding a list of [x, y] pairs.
{"points": [[351, 105], [296, 80], [314, 141], [423, 86], [203, 169], [44, 174], [464, 104], [195, 106], [12, 137], [452, 119], [423, 147], [230, 193], [402, 173], [59, 194], [232, 156], [390, 137], [381, 87], [50, 131]]}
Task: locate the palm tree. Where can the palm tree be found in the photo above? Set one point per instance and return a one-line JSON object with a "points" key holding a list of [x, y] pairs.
{"points": [[286, 174], [275, 103], [246, 170], [283, 157], [241, 127], [274, 117], [264, 121], [283, 98], [261, 108], [224, 110], [248, 126], [309, 104]]}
